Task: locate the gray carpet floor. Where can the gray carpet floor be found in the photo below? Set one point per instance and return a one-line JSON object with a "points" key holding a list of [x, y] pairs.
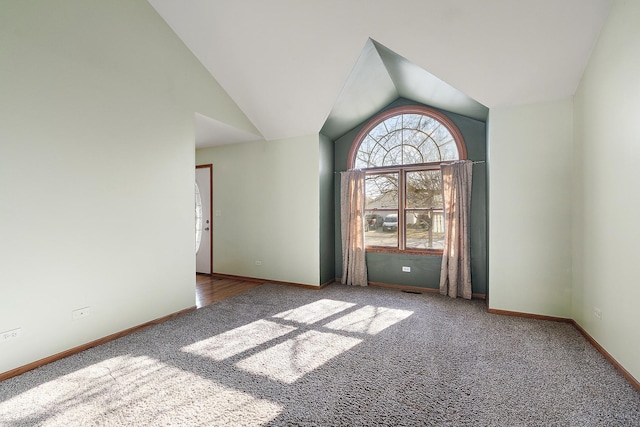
{"points": [[343, 356]]}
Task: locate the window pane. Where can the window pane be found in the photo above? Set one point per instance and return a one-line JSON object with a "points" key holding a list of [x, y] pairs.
{"points": [[365, 153], [441, 134], [393, 156], [411, 121], [424, 189], [449, 150], [430, 151], [381, 228], [412, 155], [428, 125], [425, 229], [391, 150], [381, 205], [423, 217], [382, 191], [379, 131], [414, 138], [392, 123], [378, 152]]}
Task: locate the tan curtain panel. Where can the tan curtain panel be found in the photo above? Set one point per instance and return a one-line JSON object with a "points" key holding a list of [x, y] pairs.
{"points": [[455, 273], [352, 198]]}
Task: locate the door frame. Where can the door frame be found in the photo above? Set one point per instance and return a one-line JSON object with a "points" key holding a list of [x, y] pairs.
{"points": [[210, 167]]}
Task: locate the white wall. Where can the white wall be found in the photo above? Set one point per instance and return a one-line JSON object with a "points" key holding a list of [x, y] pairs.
{"points": [[267, 198], [97, 103], [530, 208], [607, 215]]}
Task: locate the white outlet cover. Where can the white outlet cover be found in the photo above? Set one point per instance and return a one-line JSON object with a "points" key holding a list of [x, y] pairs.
{"points": [[11, 335]]}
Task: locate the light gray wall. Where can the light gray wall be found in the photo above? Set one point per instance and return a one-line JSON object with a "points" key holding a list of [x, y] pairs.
{"points": [[530, 199], [97, 103], [606, 212], [266, 208]]}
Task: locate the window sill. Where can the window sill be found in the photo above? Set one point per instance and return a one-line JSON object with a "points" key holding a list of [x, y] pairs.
{"points": [[423, 252]]}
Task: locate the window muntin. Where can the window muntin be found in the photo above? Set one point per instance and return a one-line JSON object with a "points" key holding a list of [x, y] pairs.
{"points": [[404, 209], [401, 151], [406, 139]]}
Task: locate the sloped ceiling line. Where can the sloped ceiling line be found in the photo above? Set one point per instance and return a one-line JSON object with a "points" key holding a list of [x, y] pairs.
{"points": [[285, 62], [379, 77]]}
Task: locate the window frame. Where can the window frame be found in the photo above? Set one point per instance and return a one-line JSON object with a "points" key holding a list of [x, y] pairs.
{"points": [[402, 170]]}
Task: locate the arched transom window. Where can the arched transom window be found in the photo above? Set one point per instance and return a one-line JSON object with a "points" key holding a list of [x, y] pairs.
{"points": [[401, 151]]}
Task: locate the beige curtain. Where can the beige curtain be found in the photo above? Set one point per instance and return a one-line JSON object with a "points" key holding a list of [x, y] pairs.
{"points": [[352, 196], [455, 273]]}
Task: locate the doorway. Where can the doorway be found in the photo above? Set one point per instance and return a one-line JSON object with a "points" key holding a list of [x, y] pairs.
{"points": [[204, 226]]}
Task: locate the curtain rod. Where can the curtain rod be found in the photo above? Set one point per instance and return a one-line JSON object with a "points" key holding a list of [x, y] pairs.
{"points": [[475, 162]]}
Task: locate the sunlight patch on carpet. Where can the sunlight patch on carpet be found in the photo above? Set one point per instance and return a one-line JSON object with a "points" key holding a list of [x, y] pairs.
{"points": [[369, 320], [296, 357], [314, 312], [117, 390], [238, 340]]}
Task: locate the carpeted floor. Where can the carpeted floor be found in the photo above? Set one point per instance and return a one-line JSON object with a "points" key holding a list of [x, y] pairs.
{"points": [[343, 356]]}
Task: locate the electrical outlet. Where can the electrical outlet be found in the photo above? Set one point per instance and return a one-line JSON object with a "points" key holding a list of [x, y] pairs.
{"points": [[597, 312], [10, 335], [258, 262], [406, 269], [80, 313]]}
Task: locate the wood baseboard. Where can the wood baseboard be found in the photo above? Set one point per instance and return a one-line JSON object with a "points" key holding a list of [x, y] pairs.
{"points": [[80, 348], [632, 380], [103, 340], [529, 315], [240, 278], [416, 289], [404, 287], [325, 284], [275, 282]]}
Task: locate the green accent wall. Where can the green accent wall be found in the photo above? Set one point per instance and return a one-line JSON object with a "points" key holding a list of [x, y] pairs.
{"points": [[425, 270], [327, 209]]}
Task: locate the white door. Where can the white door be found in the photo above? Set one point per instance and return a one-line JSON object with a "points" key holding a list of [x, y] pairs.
{"points": [[204, 187]]}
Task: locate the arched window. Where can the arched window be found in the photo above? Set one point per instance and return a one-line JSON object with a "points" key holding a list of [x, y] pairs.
{"points": [[401, 150]]}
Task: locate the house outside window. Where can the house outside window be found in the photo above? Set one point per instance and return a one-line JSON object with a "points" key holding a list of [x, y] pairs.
{"points": [[401, 151]]}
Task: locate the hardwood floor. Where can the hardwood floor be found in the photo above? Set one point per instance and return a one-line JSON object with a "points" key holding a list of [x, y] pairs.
{"points": [[210, 289]]}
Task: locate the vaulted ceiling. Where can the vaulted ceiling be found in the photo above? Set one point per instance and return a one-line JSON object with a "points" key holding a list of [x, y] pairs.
{"points": [[298, 67]]}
